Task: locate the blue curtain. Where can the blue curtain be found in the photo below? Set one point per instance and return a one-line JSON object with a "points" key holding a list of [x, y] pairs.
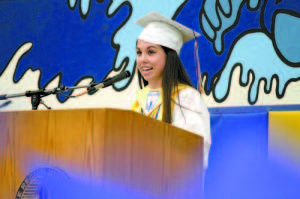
{"points": [[238, 163]]}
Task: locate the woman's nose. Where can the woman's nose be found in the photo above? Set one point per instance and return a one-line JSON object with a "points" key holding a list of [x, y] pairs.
{"points": [[143, 57]]}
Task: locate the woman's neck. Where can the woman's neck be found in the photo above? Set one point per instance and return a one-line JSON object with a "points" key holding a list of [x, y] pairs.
{"points": [[154, 85]]}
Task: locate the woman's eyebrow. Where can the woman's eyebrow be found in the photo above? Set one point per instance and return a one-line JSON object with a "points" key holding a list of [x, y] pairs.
{"points": [[152, 47], [137, 48]]}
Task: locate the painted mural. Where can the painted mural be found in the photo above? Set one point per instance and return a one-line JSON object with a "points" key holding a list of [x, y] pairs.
{"points": [[249, 49]]}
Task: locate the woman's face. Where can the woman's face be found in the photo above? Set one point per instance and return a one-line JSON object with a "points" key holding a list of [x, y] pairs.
{"points": [[151, 60]]}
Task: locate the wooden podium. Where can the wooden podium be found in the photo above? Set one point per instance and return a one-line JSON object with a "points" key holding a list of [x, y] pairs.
{"points": [[122, 146]]}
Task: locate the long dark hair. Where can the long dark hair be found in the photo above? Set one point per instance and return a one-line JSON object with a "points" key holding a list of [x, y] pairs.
{"points": [[174, 73]]}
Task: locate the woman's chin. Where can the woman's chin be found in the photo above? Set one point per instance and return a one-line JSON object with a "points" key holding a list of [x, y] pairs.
{"points": [[147, 77]]}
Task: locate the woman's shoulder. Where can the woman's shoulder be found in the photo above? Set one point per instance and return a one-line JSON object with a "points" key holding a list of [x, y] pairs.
{"points": [[189, 96], [186, 90]]}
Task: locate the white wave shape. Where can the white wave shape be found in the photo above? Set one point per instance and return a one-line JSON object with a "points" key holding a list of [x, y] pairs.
{"points": [[105, 98], [238, 95]]}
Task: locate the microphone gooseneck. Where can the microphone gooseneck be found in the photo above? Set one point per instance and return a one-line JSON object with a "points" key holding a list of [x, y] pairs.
{"points": [[94, 87]]}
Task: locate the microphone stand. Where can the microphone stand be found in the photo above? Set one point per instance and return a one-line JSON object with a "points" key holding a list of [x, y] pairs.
{"points": [[36, 95], [91, 89]]}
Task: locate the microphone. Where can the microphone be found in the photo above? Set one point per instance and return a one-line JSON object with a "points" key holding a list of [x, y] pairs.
{"points": [[5, 104], [3, 97], [108, 82]]}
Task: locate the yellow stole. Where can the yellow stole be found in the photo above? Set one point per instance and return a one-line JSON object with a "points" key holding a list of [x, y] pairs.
{"points": [[139, 103]]}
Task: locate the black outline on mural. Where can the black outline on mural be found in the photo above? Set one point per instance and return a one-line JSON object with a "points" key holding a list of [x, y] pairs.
{"points": [[255, 8], [262, 18], [177, 12], [58, 74], [205, 83], [216, 29], [218, 74], [17, 65], [222, 10], [272, 34], [204, 74], [69, 6], [83, 16], [216, 77], [238, 15], [266, 91], [117, 46], [29, 68], [202, 12], [13, 54], [204, 32]]}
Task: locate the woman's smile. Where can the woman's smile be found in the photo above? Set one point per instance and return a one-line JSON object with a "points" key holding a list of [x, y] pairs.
{"points": [[151, 60]]}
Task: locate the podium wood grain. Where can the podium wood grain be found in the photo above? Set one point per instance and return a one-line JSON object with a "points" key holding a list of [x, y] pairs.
{"points": [[121, 146]]}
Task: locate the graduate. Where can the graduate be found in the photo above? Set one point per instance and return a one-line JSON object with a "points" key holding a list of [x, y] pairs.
{"points": [[168, 94]]}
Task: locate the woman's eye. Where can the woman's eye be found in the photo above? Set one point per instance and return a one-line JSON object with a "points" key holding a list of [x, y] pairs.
{"points": [[151, 52], [138, 52]]}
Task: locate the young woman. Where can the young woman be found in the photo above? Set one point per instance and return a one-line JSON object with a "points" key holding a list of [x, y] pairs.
{"points": [[169, 95]]}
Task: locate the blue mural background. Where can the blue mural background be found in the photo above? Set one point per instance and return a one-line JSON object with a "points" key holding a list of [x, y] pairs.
{"points": [[63, 43], [79, 39]]}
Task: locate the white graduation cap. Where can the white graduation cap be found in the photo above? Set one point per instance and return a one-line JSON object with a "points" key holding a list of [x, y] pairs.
{"points": [[164, 31]]}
